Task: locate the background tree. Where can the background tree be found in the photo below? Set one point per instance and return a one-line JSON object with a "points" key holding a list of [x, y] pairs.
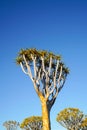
{"points": [[11, 125], [32, 123], [71, 118], [48, 75]]}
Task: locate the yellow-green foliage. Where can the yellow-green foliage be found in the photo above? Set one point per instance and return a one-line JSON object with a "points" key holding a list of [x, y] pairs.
{"points": [[69, 113], [84, 124], [72, 118], [31, 121], [38, 54]]}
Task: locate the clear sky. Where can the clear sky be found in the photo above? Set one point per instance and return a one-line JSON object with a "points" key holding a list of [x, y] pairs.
{"points": [[59, 26]]}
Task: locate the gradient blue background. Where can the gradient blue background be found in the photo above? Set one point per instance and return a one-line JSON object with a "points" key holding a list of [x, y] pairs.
{"points": [[59, 26]]}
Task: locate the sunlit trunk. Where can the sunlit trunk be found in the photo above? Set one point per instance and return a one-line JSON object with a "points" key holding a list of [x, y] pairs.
{"points": [[45, 116]]}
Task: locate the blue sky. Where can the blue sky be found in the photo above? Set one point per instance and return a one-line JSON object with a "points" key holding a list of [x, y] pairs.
{"points": [[59, 26]]}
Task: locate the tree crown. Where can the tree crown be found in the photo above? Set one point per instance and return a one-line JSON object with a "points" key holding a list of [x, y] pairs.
{"points": [[38, 54], [46, 70], [31, 120], [72, 118]]}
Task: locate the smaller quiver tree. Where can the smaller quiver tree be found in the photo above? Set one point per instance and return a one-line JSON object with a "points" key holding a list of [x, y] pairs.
{"points": [[71, 118], [11, 125], [32, 123]]}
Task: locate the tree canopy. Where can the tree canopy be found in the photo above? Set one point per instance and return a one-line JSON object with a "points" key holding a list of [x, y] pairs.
{"points": [[48, 68], [11, 125], [32, 123], [72, 119]]}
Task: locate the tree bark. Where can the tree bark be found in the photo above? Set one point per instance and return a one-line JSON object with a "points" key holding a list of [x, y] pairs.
{"points": [[45, 116]]}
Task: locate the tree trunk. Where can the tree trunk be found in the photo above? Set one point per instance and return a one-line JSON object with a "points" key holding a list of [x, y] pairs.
{"points": [[45, 116]]}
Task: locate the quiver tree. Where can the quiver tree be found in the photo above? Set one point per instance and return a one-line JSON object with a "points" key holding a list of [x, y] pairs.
{"points": [[32, 123], [48, 75], [11, 125], [72, 119]]}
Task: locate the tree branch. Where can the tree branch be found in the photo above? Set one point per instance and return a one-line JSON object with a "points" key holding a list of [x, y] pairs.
{"points": [[60, 75], [47, 84], [50, 64], [61, 85], [54, 79], [28, 67], [39, 74], [57, 67], [52, 101], [55, 93], [22, 67], [54, 84], [34, 61], [43, 66]]}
